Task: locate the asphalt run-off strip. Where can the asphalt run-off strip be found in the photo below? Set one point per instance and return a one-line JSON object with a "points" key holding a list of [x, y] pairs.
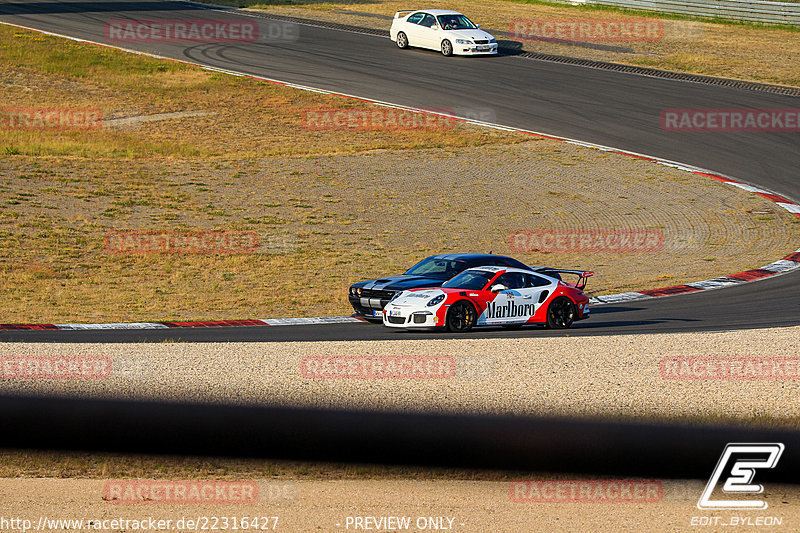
{"points": [[788, 263]]}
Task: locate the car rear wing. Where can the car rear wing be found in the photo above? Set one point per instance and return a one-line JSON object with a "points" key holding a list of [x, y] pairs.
{"points": [[400, 14], [583, 276]]}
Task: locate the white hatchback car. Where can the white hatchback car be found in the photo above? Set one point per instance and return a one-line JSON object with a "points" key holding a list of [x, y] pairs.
{"points": [[439, 29]]}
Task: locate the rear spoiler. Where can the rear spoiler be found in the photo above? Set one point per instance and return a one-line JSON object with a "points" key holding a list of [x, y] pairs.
{"points": [[400, 13], [583, 275]]}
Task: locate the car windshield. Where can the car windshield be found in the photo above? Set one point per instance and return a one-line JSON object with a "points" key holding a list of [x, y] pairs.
{"points": [[437, 268], [471, 280], [455, 22]]}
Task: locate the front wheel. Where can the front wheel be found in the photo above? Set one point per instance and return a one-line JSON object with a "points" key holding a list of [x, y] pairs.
{"points": [[402, 41], [460, 317], [447, 48], [560, 313]]}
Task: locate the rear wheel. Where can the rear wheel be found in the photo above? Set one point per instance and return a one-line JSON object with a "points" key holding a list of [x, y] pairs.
{"points": [[447, 48], [560, 313], [460, 317], [402, 41]]}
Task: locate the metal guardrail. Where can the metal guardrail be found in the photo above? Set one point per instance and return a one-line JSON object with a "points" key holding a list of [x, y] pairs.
{"points": [[480, 442], [748, 10]]}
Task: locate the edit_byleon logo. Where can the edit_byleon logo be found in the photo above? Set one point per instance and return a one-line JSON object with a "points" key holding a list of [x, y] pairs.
{"points": [[739, 462]]}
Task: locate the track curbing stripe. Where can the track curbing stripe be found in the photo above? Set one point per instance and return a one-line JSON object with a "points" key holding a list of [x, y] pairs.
{"points": [[116, 325], [312, 320]]}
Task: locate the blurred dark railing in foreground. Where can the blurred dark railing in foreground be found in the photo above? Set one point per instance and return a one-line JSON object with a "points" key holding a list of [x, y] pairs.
{"points": [[459, 441]]}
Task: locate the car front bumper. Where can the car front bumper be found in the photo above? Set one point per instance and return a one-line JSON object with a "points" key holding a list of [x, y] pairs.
{"points": [[399, 317], [370, 306], [366, 313], [474, 50]]}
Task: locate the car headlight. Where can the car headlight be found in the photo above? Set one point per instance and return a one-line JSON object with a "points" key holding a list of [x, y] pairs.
{"points": [[396, 295], [436, 301], [355, 291], [463, 41], [492, 40]]}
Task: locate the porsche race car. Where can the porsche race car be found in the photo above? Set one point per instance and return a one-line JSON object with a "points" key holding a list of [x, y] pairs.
{"points": [[492, 296]]}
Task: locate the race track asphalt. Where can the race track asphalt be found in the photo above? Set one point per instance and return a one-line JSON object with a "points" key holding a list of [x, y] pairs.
{"points": [[615, 109]]}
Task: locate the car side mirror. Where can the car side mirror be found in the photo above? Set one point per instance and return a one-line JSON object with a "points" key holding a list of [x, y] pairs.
{"points": [[497, 287], [477, 25]]}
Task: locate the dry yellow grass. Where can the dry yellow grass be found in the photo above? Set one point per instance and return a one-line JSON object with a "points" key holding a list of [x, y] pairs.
{"points": [[324, 224], [244, 118]]}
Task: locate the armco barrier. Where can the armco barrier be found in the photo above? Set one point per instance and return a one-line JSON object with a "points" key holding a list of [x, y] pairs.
{"points": [[749, 10]]}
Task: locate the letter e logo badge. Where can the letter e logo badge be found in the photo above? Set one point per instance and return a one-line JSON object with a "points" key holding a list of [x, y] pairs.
{"points": [[739, 461]]}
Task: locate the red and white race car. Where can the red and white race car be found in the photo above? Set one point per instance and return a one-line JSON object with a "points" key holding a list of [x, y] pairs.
{"points": [[493, 296]]}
